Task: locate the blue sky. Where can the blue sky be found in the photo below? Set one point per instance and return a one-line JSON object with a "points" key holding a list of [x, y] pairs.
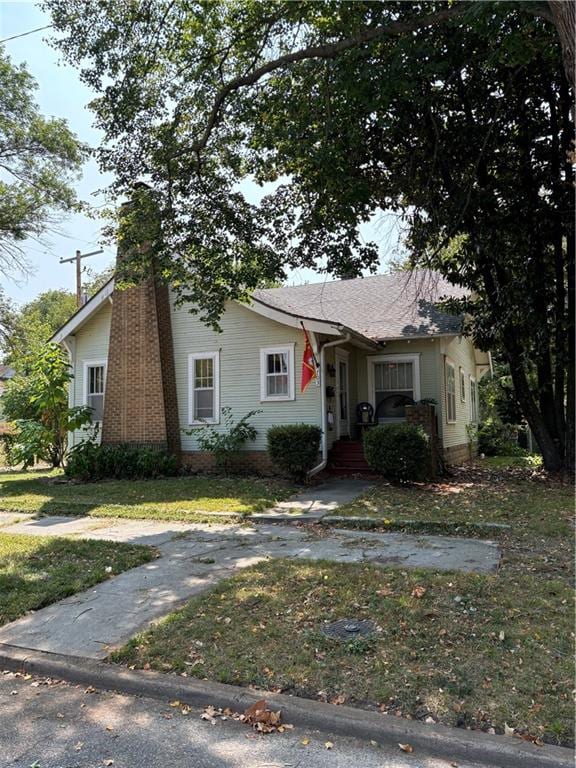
{"points": [[61, 94]]}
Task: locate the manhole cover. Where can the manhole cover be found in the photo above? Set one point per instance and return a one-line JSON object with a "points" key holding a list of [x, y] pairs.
{"points": [[348, 629]]}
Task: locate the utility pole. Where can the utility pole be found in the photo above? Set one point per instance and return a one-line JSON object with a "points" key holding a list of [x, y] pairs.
{"points": [[78, 259]]}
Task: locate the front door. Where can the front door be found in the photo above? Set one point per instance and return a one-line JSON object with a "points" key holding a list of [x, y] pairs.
{"points": [[342, 402]]}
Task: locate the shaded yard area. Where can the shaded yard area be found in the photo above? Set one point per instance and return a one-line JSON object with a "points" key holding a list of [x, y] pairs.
{"points": [[537, 512], [176, 498], [463, 649], [481, 493], [38, 570], [470, 650]]}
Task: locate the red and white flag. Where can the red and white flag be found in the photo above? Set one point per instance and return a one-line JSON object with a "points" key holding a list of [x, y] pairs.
{"points": [[309, 367]]}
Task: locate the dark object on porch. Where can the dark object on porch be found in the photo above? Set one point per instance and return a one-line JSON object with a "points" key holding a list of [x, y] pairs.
{"points": [[348, 629], [364, 413], [392, 407]]}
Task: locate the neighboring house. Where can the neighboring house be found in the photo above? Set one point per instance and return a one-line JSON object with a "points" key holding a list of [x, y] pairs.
{"points": [[152, 371]]}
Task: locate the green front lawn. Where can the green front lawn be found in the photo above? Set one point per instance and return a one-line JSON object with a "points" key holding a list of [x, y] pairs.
{"points": [[179, 498], [38, 570], [481, 651]]}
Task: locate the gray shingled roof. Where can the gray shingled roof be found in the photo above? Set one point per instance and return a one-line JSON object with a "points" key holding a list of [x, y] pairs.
{"points": [[380, 307]]}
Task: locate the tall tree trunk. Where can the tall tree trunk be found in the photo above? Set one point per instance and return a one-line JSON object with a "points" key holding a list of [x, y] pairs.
{"points": [[564, 19], [551, 456], [571, 372]]}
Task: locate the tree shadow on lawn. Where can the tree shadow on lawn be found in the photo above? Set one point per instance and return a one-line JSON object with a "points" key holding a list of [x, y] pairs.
{"points": [[37, 571], [179, 498]]}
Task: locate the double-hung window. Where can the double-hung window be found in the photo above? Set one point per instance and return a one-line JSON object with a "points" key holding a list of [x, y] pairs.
{"points": [[462, 386], [94, 386], [473, 400], [277, 373], [204, 388], [395, 383], [450, 392]]}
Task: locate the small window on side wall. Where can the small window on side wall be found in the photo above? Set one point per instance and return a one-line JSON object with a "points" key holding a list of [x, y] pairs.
{"points": [[462, 386], [277, 373], [450, 393], [94, 386], [203, 388]]}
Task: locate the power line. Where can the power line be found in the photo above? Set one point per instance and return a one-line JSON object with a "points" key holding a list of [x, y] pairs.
{"points": [[23, 34]]}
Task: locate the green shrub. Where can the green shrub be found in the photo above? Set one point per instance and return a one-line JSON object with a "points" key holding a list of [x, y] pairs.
{"points": [[497, 439], [294, 448], [398, 451], [37, 407], [225, 444], [90, 461]]}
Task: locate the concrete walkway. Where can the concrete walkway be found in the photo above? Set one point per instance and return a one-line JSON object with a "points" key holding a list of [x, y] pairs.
{"points": [[194, 557], [315, 502]]}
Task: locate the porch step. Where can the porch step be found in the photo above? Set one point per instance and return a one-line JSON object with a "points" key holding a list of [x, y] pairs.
{"points": [[347, 456]]}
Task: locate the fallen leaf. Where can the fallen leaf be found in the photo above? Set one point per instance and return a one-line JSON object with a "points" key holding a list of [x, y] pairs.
{"points": [[406, 747], [340, 699], [108, 762], [507, 730], [175, 703], [328, 744], [78, 746], [418, 591], [305, 741]]}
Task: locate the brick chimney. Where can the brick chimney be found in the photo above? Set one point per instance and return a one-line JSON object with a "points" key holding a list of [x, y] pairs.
{"points": [[140, 406]]}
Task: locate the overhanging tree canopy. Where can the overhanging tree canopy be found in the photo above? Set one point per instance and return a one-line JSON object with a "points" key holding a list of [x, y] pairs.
{"points": [[40, 159], [456, 115]]}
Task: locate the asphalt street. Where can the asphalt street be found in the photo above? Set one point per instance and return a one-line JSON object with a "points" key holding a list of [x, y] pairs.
{"points": [[45, 724]]}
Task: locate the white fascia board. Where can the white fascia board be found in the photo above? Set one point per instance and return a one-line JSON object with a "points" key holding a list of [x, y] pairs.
{"points": [[84, 313]]}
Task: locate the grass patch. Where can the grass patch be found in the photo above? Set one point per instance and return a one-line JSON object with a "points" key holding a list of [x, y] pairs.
{"points": [[539, 511], [474, 651], [176, 498], [38, 570], [474, 496]]}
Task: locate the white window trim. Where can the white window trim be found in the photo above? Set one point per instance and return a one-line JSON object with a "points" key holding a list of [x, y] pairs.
{"points": [[92, 364], [373, 359], [264, 352], [449, 364], [462, 381], [473, 416], [215, 357]]}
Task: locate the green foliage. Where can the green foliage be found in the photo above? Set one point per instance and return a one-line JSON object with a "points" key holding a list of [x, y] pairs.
{"points": [[93, 280], [294, 448], [29, 329], [40, 158], [455, 116], [38, 406], [398, 451], [225, 443], [498, 439], [90, 461]]}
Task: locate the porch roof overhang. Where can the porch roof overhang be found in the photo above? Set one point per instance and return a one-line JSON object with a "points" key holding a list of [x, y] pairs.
{"points": [[312, 324]]}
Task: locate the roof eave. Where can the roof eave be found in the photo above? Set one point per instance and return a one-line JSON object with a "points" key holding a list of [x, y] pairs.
{"points": [[83, 313]]}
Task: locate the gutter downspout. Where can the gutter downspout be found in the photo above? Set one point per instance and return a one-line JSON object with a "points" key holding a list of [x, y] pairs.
{"points": [[322, 366]]}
